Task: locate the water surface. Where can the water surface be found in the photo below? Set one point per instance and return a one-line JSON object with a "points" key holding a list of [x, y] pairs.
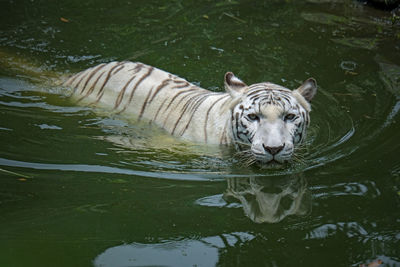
{"points": [[79, 187]]}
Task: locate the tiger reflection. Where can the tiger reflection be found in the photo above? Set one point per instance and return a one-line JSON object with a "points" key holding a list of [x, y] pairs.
{"points": [[270, 199]]}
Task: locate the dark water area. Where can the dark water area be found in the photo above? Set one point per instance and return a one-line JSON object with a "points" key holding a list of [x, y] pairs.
{"points": [[79, 187]]}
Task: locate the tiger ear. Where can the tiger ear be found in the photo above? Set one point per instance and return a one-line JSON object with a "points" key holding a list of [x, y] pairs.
{"points": [[308, 89], [233, 85]]}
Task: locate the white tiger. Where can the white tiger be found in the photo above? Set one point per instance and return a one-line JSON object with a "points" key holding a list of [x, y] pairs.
{"points": [[263, 120]]}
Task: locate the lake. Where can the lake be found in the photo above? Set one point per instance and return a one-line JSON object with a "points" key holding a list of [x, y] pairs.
{"points": [[81, 187]]}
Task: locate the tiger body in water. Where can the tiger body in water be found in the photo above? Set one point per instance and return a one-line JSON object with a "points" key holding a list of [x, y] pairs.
{"points": [[265, 121]]}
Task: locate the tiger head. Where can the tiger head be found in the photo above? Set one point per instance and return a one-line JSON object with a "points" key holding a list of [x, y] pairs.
{"points": [[268, 121]]}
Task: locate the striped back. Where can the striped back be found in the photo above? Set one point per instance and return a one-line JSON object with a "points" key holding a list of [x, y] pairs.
{"points": [[141, 92]]}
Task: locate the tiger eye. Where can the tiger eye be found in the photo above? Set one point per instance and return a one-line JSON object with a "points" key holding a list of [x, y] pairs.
{"points": [[289, 117], [253, 117]]}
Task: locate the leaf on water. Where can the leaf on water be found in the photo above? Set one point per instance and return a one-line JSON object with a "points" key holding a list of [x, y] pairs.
{"points": [[355, 89], [139, 53], [163, 39], [351, 22], [366, 43], [227, 3], [324, 18], [117, 181], [64, 19], [97, 208], [375, 263], [368, 117], [14, 173], [351, 73], [234, 17]]}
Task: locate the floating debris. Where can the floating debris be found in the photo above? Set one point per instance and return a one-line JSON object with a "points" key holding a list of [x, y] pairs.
{"points": [[326, 19], [375, 263], [348, 65], [366, 43], [220, 50], [350, 22], [234, 17], [15, 173], [48, 127]]}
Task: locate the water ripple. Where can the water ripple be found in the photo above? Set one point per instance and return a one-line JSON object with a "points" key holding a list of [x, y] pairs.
{"points": [[351, 229], [367, 188], [203, 252], [192, 176]]}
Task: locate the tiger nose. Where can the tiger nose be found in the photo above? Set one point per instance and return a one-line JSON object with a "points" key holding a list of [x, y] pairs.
{"points": [[273, 150]]}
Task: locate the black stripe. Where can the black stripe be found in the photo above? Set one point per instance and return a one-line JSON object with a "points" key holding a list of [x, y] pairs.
{"points": [[137, 68], [252, 135], [286, 98], [191, 92], [195, 107], [122, 92], [158, 89], [223, 136], [208, 113], [244, 127], [91, 76], [189, 102], [237, 123], [73, 78], [98, 99], [135, 87], [159, 109], [256, 92], [175, 96], [145, 104], [120, 68], [184, 85], [179, 80], [80, 80], [107, 78], [91, 89]]}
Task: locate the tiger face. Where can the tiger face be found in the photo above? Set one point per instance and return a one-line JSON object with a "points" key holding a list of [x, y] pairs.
{"points": [[268, 121]]}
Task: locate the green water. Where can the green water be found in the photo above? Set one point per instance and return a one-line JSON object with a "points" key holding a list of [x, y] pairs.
{"points": [[81, 188]]}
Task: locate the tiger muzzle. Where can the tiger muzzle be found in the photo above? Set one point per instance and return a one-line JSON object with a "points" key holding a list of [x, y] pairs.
{"points": [[273, 150]]}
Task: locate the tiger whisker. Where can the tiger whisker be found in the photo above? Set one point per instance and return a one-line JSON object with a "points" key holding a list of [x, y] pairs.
{"points": [[298, 158], [249, 162], [242, 143], [243, 152], [246, 157]]}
